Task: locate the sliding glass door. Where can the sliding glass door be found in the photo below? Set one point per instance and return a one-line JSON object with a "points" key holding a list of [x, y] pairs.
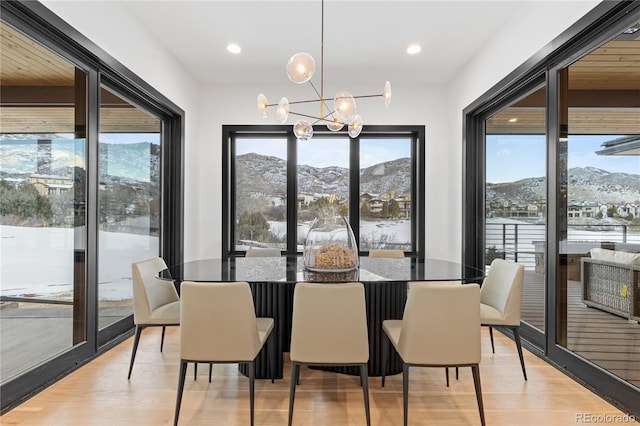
{"points": [[515, 195], [598, 211], [128, 200]]}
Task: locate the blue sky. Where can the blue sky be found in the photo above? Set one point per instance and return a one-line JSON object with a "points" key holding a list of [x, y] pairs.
{"points": [[320, 152], [515, 157]]}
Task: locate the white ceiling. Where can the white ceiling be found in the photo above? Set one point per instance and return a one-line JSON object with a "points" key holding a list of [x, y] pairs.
{"points": [[364, 41]]}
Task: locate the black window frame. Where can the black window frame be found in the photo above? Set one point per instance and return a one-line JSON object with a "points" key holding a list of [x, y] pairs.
{"points": [[230, 132]]}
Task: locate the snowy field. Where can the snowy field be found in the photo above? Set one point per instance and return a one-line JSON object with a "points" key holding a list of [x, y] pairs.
{"points": [[38, 262]]}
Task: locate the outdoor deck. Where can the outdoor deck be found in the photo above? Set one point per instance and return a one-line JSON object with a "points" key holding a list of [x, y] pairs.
{"points": [[607, 340]]}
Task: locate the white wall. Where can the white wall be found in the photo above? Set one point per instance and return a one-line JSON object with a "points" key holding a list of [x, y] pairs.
{"points": [[438, 108]]}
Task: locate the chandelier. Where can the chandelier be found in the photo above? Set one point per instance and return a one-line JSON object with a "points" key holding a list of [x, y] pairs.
{"points": [[300, 68]]}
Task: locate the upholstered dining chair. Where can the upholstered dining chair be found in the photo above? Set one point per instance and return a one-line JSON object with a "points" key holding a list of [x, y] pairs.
{"points": [[262, 252], [329, 328], [440, 328], [218, 325], [155, 301], [501, 300], [393, 254]]}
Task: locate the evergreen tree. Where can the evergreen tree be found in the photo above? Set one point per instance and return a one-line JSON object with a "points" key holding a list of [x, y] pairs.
{"points": [[253, 226]]}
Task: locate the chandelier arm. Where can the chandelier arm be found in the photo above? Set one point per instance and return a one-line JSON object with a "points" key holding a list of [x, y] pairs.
{"points": [[297, 102], [318, 119], [315, 90], [330, 114], [304, 115], [368, 96]]}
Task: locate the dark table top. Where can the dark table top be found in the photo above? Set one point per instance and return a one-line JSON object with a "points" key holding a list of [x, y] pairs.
{"points": [[291, 269]]}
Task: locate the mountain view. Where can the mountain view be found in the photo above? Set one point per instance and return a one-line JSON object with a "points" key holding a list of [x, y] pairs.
{"points": [[121, 162], [586, 184], [260, 173]]}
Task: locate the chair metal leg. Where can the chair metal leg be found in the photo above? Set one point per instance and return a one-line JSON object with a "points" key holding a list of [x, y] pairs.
{"points": [[446, 373], [385, 355], [210, 371], [364, 379], [493, 350], [162, 338], [136, 340], [271, 348], [405, 392], [295, 370], [183, 373], [475, 369], [516, 337], [195, 371], [252, 379], [457, 375]]}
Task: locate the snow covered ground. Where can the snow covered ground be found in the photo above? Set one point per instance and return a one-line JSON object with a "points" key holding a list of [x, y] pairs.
{"points": [[38, 262]]}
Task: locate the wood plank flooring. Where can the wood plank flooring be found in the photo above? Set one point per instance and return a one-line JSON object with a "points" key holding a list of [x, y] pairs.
{"points": [[100, 394]]}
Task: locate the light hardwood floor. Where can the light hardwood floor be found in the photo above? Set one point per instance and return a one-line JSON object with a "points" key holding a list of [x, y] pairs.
{"points": [[100, 394]]}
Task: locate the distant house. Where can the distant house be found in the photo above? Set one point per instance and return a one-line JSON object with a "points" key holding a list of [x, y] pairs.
{"points": [[586, 209], [48, 185], [404, 202], [366, 197], [629, 209], [375, 205]]}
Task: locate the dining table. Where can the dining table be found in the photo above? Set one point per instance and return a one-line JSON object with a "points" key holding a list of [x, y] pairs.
{"points": [[273, 279]]}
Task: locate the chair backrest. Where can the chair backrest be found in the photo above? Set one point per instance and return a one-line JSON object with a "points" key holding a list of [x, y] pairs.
{"points": [[441, 325], [217, 322], [262, 252], [502, 289], [149, 291], [394, 254], [329, 324]]}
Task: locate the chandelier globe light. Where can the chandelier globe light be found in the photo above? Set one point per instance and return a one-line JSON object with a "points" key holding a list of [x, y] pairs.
{"points": [[301, 68]]}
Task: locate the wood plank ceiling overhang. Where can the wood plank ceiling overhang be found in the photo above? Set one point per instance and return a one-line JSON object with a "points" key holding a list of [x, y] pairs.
{"points": [[38, 89], [603, 95], [38, 93]]}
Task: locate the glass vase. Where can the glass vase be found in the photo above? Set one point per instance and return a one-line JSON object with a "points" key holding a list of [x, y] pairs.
{"points": [[330, 245]]}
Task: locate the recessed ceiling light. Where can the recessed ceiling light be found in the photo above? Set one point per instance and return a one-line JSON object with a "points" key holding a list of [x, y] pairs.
{"points": [[234, 48], [413, 49], [513, 120]]}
